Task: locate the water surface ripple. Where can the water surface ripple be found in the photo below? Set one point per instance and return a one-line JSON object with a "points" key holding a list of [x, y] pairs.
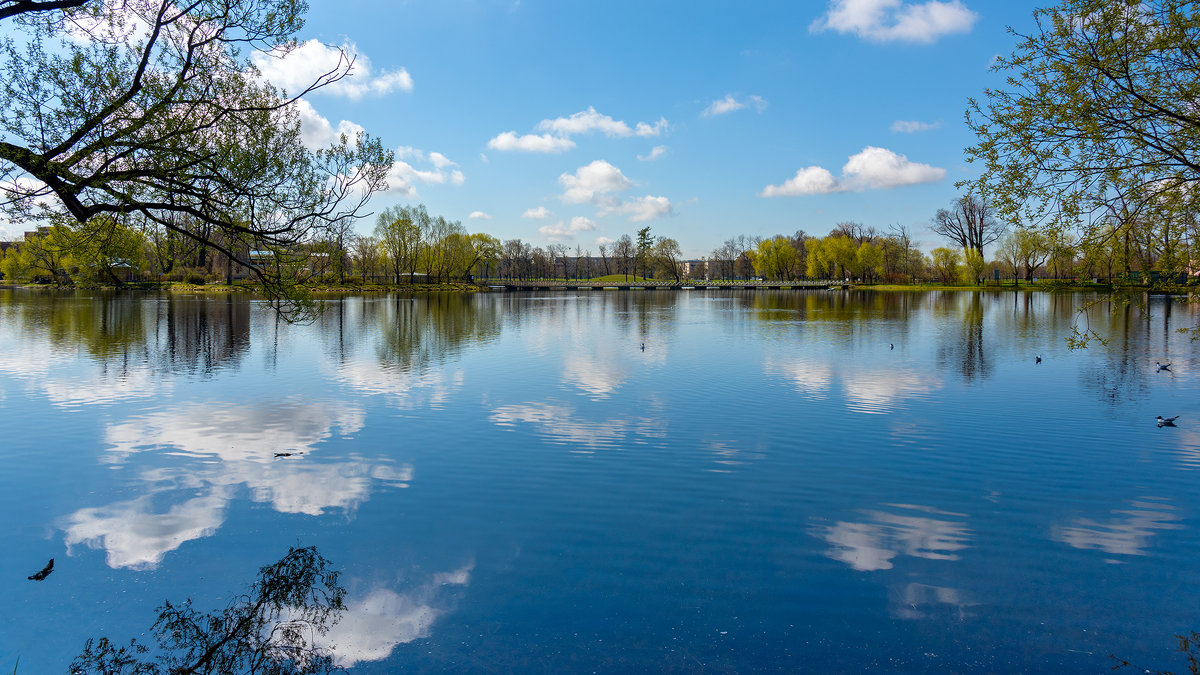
{"points": [[613, 482]]}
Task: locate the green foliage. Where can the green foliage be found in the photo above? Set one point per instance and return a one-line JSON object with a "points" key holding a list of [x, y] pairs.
{"points": [[1098, 106], [975, 265], [272, 629], [946, 264], [152, 109], [774, 258], [868, 261]]}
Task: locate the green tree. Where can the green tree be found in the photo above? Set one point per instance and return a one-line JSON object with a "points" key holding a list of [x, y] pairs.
{"points": [[667, 256], [398, 231], [946, 263], [869, 261], [975, 264], [102, 247], [774, 258], [153, 108], [42, 256], [1098, 106], [644, 245]]}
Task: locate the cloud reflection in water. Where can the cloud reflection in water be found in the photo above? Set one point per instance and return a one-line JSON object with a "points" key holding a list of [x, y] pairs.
{"points": [[1127, 534], [374, 624], [871, 545], [243, 439]]}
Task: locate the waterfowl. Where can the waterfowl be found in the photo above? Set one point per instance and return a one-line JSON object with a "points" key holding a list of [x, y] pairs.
{"points": [[1166, 421]]}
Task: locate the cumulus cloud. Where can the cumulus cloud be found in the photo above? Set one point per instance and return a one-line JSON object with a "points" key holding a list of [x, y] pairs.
{"points": [[895, 20], [873, 168], [404, 175], [913, 126], [558, 132], [730, 104], [561, 231], [593, 183], [479, 215], [586, 121], [299, 68], [655, 152], [547, 143], [655, 129], [316, 132], [597, 184], [641, 209], [440, 161], [540, 213]]}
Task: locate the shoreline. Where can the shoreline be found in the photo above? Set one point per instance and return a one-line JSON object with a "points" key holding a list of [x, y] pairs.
{"points": [[463, 287]]}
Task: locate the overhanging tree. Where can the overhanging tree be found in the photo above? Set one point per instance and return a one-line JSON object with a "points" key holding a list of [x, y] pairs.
{"points": [[152, 110], [1099, 105]]}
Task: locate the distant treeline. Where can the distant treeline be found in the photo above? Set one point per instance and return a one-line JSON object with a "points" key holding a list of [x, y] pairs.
{"points": [[408, 245]]}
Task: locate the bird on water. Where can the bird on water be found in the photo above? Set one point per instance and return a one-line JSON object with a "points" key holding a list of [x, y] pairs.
{"points": [[1162, 366], [1166, 421], [1037, 359]]}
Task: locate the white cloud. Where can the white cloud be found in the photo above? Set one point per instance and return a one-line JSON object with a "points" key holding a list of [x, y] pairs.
{"points": [[655, 152], [316, 132], [558, 132], [592, 183], [913, 126], [584, 122], [479, 215], [540, 213], [403, 176], [813, 180], [655, 129], [440, 161], [730, 104], [641, 209], [510, 141], [561, 231], [596, 184], [882, 168], [604, 241], [310, 60], [873, 168], [895, 20]]}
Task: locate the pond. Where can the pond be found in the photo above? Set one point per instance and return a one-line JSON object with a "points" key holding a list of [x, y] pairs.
{"points": [[613, 481]]}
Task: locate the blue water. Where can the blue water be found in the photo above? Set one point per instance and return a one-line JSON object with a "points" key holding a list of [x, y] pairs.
{"points": [[718, 481]]}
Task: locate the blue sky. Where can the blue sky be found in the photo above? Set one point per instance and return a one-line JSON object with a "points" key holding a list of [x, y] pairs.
{"points": [[577, 122]]}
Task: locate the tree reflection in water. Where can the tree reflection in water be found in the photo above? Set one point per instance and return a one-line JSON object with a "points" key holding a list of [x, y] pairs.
{"points": [[272, 629]]}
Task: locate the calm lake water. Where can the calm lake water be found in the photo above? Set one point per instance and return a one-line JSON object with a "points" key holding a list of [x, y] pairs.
{"points": [[512, 483]]}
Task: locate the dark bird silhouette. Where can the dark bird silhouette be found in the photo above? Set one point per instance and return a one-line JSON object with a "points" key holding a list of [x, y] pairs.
{"points": [[891, 346], [1166, 421], [1162, 366], [44, 572], [1037, 359], [643, 346], [288, 454]]}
